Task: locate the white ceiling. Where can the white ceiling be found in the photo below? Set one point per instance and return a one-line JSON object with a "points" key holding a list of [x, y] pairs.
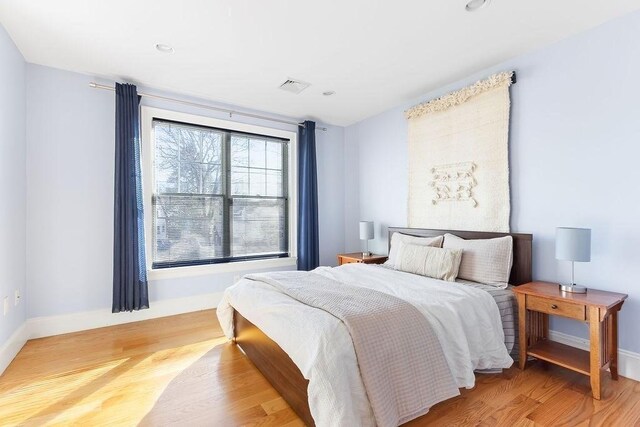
{"points": [[374, 54]]}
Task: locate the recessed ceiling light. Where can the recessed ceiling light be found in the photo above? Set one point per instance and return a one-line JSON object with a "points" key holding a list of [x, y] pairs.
{"points": [[474, 5], [164, 48], [328, 93]]}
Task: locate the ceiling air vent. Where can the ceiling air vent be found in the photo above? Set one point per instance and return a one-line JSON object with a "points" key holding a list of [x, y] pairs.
{"points": [[294, 86]]}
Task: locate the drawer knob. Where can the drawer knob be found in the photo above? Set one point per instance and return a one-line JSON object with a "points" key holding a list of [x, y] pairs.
{"points": [[553, 306]]}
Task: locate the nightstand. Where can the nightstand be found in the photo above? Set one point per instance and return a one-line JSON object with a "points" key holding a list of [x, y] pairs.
{"points": [[537, 300], [357, 257]]}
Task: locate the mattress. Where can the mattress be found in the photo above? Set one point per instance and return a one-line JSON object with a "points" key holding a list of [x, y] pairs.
{"points": [[508, 306]]}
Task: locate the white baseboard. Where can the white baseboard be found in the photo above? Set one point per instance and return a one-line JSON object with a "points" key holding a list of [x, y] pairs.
{"points": [[13, 346], [628, 361], [47, 326]]}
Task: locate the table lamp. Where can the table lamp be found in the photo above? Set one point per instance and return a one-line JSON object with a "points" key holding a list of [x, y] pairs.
{"points": [[366, 234], [573, 244]]}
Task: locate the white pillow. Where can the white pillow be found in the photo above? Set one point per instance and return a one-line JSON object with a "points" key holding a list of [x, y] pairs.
{"points": [[485, 261], [432, 262], [398, 240]]}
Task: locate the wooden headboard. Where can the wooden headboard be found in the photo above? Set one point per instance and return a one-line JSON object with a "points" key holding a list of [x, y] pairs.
{"points": [[522, 247]]}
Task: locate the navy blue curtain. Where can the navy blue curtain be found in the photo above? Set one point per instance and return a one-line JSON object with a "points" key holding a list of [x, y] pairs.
{"points": [[130, 290], [308, 249]]}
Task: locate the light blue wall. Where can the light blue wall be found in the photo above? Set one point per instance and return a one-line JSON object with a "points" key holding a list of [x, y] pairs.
{"points": [[331, 190], [574, 158], [12, 177], [70, 139]]}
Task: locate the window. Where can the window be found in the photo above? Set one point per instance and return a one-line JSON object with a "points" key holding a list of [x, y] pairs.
{"points": [[218, 195]]}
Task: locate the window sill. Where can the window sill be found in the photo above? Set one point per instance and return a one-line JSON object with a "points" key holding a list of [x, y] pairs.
{"points": [[203, 270]]}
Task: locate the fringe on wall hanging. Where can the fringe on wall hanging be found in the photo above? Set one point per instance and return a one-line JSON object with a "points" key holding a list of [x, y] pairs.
{"points": [[458, 97]]}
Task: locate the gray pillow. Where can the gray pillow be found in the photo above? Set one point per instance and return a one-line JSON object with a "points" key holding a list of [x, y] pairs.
{"points": [[485, 261]]}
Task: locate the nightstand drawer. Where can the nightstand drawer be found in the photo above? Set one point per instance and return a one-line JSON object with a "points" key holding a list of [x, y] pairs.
{"points": [[560, 308]]}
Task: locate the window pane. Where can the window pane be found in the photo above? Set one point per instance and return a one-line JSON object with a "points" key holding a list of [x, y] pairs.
{"points": [[274, 183], [188, 159], [239, 151], [166, 178], [259, 226], [200, 178], [166, 169], [274, 155], [257, 153], [187, 228], [239, 181], [257, 182]]}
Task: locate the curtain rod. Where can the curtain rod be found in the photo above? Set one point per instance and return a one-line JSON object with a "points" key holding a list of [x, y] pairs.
{"points": [[208, 107]]}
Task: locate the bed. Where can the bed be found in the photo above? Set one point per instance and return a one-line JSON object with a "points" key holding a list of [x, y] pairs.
{"points": [[286, 377]]}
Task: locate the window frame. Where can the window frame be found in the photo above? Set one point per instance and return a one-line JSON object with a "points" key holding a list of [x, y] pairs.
{"points": [[148, 114]]}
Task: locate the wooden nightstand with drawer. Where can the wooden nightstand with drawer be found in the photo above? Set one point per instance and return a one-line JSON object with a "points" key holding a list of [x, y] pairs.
{"points": [[537, 300], [357, 257]]}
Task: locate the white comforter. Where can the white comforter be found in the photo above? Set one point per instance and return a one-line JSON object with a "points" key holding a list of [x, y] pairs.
{"points": [[465, 319]]}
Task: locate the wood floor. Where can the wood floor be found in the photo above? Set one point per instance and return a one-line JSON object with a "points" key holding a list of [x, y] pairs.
{"points": [[180, 370]]}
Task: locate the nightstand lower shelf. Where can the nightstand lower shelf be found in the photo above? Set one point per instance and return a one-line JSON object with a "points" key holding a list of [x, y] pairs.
{"points": [[560, 354]]}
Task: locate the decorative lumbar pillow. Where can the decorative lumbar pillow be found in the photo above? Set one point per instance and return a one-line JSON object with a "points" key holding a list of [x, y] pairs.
{"points": [[437, 263], [485, 261], [398, 240]]}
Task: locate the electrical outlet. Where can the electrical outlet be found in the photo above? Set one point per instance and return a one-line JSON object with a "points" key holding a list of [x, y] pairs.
{"points": [[16, 298], [6, 305]]}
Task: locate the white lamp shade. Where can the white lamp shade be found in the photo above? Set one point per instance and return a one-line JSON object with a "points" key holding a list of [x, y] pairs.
{"points": [[366, 230], [573, 244]]}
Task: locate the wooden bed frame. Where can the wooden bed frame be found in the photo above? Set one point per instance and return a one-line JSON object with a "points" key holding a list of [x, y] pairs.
{"points": [[285, 376]]}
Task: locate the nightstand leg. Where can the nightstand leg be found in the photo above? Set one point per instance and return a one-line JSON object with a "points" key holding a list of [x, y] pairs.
{"points": [[595, 337], [613, 344], [522, 330]]}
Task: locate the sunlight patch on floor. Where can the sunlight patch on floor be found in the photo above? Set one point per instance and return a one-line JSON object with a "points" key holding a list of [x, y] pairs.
{"points": [[119, 392], [27, 399]]}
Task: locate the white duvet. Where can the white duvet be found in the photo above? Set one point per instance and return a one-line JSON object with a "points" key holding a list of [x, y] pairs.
{"points": [[465, 319]]}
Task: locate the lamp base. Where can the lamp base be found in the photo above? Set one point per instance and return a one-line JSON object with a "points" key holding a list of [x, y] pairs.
{"points": [[573, 288], [365, 254]]}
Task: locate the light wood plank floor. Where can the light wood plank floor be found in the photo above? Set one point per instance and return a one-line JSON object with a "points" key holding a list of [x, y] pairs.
{"points": [[180, 370]]}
